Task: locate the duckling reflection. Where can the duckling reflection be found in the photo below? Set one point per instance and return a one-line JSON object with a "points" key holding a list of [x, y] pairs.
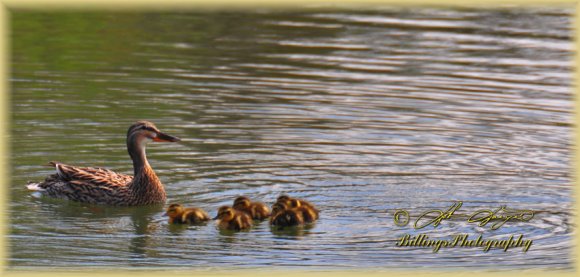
{"points": [[180, 215], [292, 232], [143, 219], [231, 219], [256, 210]]}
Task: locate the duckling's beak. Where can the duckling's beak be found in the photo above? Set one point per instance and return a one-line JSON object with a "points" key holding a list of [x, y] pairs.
{"points": [[165, 214], [216, 217], [162, 137]]}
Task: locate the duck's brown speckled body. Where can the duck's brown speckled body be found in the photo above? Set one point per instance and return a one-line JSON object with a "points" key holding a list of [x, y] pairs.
{"points": [[103, 186]]}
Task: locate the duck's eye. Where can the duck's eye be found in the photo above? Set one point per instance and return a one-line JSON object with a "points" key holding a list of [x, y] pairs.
{"points": [[145, 127]]}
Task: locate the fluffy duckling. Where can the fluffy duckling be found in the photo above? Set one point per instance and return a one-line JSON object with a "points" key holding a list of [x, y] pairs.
{"points": [[179, 214], [285, 216], [256, 210], [231, 219], [295, 201], [309, 212]]}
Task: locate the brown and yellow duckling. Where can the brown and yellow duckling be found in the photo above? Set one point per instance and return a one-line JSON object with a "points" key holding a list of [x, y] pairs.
{"points": [[308, 211], [180, 215], [285, 216], [256, 210], [293, 201], [232, 219]]}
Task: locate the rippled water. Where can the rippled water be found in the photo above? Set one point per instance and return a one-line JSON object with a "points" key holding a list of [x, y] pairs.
{"points": [[362, 112]]}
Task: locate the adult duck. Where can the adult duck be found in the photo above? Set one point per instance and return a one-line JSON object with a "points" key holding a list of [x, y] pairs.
{"points": [[103, 186]]}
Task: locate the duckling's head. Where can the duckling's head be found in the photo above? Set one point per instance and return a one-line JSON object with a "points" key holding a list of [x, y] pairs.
{"points": [[242, 202], [174, 210], [225, 213], [283, 198], [241, 198], [279, 207]]}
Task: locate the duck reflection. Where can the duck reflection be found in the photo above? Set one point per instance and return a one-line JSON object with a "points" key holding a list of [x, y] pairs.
{"points": [[81, 219], [144, 225]]}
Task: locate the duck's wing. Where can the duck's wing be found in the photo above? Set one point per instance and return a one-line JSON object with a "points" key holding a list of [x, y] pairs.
{"points": [[95, 176], [85, 184]]}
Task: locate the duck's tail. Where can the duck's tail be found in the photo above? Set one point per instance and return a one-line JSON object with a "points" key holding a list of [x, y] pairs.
{"points": [[37, 190], [34, 186], [58, 168]]}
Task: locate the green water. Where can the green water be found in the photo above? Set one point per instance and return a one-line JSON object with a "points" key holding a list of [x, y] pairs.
{"points": [[361, 112]]}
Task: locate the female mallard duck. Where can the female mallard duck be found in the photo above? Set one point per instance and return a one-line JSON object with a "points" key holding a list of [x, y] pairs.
{"points": [[285, 216], [103, 186], [256, 210], [231, 219], [179, 214], [309, 212]]}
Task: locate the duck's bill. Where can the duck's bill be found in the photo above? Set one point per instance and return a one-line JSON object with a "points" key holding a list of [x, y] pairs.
{"points": [[165, 214], [215, 218], [161, 137]]}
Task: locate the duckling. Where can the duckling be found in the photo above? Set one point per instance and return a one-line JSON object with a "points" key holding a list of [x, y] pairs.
{"points": [[308, 211], [179, 214], [288, 200], [285, 216], [256, 210], [232, 219]]}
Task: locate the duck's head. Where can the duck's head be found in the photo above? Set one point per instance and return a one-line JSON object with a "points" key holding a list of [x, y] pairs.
{"points": [[148, 131], [174, 210], [225, 213], [242, 202]]}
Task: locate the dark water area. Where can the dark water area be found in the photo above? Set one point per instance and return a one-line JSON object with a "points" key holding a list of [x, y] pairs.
{"points": [[360, 111]]}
